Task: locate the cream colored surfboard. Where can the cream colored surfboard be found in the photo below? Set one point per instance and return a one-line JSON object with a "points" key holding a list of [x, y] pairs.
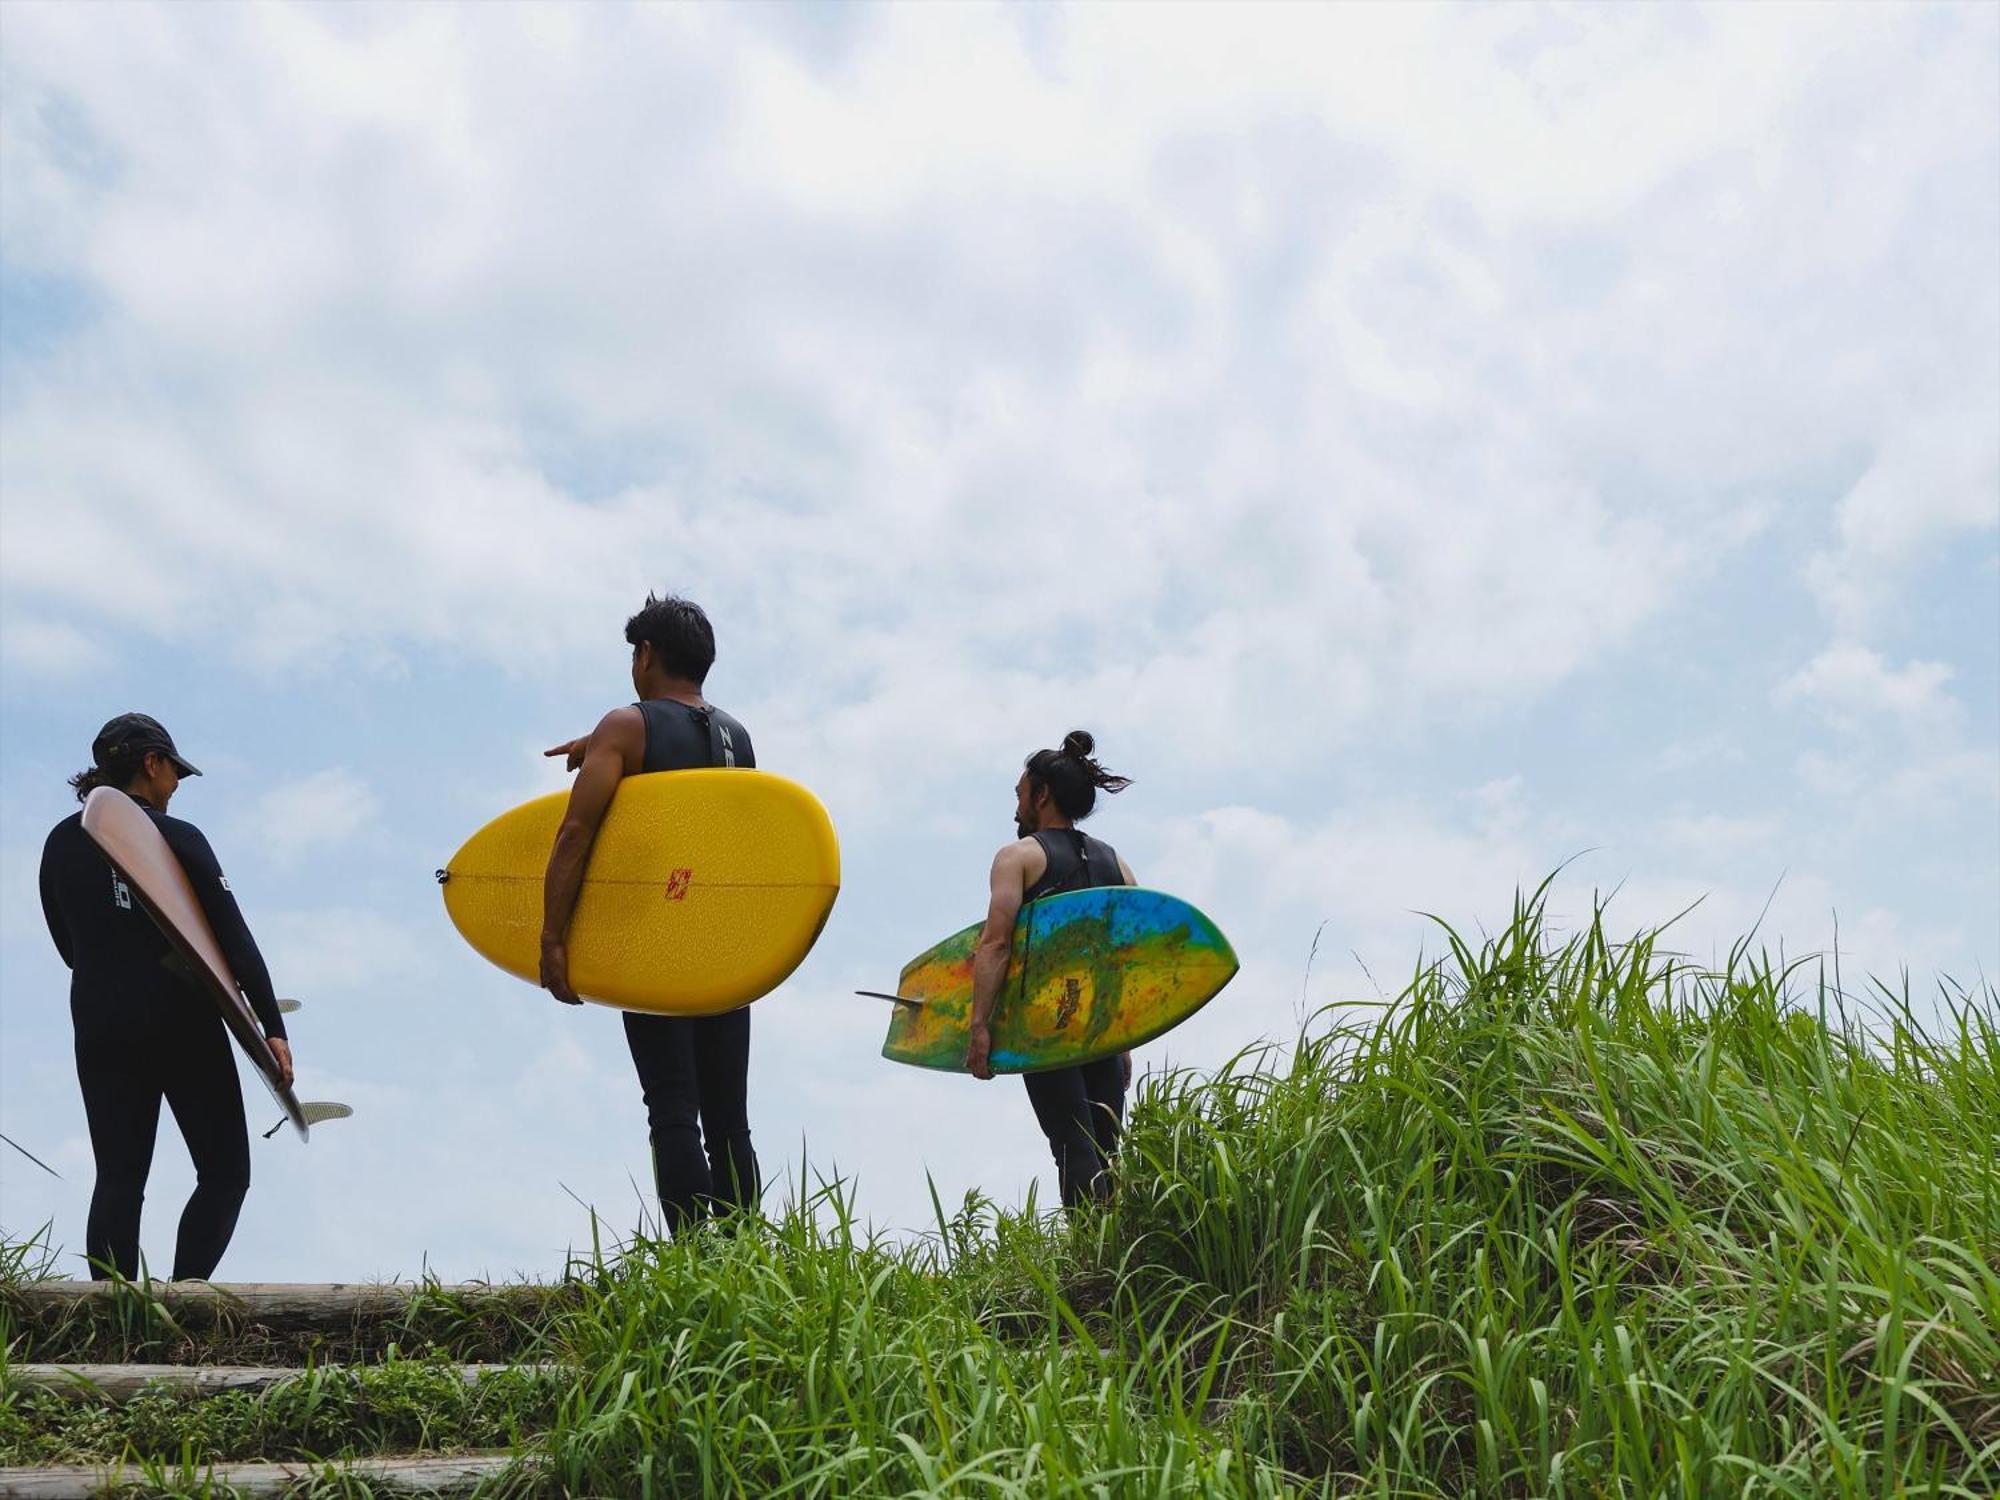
{"points": [[130, 840]]}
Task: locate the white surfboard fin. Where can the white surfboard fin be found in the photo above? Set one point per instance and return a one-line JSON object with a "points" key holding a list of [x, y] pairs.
{"points": [[897, 999], [317, 1112], [286, 1007]]}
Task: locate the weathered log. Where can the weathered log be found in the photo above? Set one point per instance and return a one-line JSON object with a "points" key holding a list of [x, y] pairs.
{"points": [[426, 1475], [120, 1383], [273, 1303]]}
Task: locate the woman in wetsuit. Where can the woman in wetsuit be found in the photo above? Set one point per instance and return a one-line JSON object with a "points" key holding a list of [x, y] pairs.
{"points": [[144, 1032]]}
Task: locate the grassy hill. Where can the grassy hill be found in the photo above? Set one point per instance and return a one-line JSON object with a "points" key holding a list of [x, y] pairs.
{"points": [[1567, 1218]]}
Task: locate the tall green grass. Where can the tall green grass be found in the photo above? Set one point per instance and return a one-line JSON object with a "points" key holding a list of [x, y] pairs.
{"points": [[1574, 1217], [1569, 1217]]}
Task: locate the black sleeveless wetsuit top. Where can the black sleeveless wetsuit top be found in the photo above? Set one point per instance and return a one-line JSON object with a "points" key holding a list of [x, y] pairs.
{"points": [[1077, 862], [680, 737]]}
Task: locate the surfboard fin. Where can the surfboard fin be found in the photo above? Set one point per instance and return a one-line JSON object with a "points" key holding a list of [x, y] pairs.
{"points": [[317, 1112], [286, 1007], [897, 999]]}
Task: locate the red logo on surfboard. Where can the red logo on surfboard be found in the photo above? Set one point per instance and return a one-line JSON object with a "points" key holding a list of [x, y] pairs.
{"points": [[677, 884]]}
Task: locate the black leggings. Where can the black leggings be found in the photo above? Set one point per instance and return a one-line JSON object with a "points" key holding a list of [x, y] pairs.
{"points": [[1080, 1110], [694, 1072], [124, 1077]]}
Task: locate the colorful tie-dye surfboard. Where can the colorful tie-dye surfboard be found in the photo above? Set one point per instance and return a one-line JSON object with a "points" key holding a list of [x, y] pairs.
{"points": [[1094, 973]]}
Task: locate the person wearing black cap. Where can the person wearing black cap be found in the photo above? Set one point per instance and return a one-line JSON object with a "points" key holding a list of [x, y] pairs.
{"points": [[1080, 1109], [144, 1031]]}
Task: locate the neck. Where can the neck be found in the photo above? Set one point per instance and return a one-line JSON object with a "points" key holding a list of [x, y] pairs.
{"points": [[679, 689], [1053, 820]]}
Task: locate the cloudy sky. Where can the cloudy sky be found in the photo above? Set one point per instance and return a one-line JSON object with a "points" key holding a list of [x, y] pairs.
{"points": [[1423, 444]]}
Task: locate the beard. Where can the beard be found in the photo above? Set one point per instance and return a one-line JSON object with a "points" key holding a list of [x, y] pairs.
{"points": [[1023, 829]]}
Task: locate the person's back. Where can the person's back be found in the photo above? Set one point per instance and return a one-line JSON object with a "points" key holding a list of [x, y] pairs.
{"points": [[123, 975], [693, 1070], [685, 737], [1076, 862]]}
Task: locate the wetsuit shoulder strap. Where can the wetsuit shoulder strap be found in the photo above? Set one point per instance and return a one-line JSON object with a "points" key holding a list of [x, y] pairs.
{"points": [[1065, 862], [721, 747]]}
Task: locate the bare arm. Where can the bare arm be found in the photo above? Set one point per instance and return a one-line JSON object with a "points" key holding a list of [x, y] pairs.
{"points": [[616, 749], [990, 957]]}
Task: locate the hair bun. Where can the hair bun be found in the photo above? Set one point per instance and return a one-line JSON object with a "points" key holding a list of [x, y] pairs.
{"points": [[1078, 744]]}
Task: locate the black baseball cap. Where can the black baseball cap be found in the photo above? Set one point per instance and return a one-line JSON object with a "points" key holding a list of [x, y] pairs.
{"points": [[129, 736]]}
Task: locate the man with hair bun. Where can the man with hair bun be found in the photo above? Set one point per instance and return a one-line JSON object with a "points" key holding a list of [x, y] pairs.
{"points": [[1080, 1109]]}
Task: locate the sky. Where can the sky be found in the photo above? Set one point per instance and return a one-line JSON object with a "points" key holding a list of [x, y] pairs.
{"points": [[1425, 445]]}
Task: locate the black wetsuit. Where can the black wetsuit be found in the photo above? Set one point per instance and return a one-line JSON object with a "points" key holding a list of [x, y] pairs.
{"points": [[694, 1070], [1080, 1109], [145, 1032]]}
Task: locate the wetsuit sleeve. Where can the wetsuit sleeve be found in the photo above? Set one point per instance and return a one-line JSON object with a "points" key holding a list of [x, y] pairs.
{"points": [[231, 931], [52, 909]]}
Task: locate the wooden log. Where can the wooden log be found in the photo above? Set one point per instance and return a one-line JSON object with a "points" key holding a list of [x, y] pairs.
{"points": [[290, 1304], [117, 1384], [427, 1475]]}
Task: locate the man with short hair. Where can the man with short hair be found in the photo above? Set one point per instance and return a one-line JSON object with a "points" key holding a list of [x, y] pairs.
{"points": [[693, 1070]]}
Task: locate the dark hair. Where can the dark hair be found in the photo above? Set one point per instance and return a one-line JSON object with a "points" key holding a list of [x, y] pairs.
{"points": [[123, 767], [83, 783], [683, 641], [1072, 777]]}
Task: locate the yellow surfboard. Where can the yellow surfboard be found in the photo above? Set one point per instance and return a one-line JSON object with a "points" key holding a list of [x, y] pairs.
{"points": [[704, 890]]}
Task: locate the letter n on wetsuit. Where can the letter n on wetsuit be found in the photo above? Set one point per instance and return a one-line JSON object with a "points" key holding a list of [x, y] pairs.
{"points": [[694, 1070], [146, 1033], [1082, 1109]]}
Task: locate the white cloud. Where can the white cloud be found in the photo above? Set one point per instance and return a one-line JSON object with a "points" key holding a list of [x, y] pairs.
{"points": [[1906, 747], [48, 648], [1212, 325], [1717, 838], [1324, 405], [1854, 688], [311, 814], [339, 948], [1937, 477]]}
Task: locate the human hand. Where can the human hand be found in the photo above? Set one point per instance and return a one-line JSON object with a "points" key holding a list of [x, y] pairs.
{"points": [[979, 1052], [555, 972], [282, 1051], [571, 751]]}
